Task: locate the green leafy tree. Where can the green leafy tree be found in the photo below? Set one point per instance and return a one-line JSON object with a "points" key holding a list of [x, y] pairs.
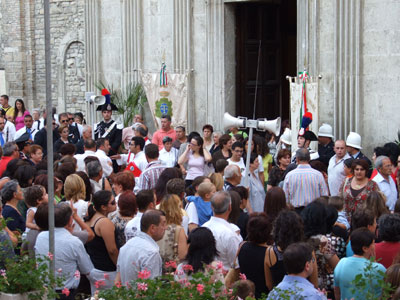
{"points": [[129, 102]]}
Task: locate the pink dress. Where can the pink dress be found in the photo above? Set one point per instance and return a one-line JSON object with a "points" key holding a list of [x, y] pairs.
{"points": [[19, 121]]}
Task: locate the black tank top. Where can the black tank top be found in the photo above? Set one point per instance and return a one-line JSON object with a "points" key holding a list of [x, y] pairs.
{"points": [[251, 260], [278, 269], [98, 253]]}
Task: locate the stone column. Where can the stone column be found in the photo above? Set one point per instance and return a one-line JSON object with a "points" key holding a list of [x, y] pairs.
{"points": [[92, 43], [132, 37]]}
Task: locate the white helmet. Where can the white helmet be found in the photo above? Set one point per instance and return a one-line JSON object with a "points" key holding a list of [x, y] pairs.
{"points": [[325, 130], [286, 137], [354, 140]]}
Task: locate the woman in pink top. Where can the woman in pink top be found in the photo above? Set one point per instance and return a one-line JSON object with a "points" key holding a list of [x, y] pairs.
{"points": [[196, 156], [19, 114]]}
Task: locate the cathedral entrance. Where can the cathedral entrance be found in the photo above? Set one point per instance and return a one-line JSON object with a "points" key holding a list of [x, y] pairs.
{"points": [[274, 23]]}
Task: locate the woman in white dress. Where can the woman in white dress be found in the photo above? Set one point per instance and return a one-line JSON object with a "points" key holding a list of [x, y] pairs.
{"points": [[75, 192]]}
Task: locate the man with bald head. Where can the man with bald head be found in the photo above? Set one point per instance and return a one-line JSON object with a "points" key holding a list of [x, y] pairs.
{"points": [[336, 173], [233, 176], [226, 239]]}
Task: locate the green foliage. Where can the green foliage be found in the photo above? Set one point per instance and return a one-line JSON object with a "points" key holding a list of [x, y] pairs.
{"points": [[23, 274], [372, 279], [200, 287], [129, 102]]}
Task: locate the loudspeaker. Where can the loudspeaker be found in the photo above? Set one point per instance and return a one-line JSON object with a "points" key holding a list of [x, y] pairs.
{"points": [[273, 126], [99, 100], [230, 121]]}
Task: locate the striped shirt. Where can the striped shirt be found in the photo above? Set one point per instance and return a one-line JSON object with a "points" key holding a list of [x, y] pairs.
{"points": [[149, 177], [303, 185]]}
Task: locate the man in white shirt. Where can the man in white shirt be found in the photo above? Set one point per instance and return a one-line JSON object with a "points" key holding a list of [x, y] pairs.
{"points": [[103, 147], [135, 154], [227, 240], [6, 135], [168, 154], [336, 173], [90, 150], [385, 181], [28, 121], [236, 158], [145, 200], [142, 252], [70, 254]]}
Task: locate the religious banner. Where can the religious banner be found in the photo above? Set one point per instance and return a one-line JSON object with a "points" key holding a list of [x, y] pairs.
{"points": [[303, 99], [166, 94]]}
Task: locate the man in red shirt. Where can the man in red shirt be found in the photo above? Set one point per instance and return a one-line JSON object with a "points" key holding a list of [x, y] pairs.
{"points": [[165, 130], [10, 152]]}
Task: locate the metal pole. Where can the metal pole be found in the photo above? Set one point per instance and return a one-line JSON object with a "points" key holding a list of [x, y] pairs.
{"points": [[49, 129], [246, 173]]}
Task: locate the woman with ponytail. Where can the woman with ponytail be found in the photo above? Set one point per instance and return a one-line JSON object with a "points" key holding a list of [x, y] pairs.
{"points": [[102, 249]]}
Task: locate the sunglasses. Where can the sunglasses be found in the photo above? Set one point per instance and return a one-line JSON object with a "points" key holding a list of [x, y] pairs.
{"points": [[64, 121], [70, 119]]}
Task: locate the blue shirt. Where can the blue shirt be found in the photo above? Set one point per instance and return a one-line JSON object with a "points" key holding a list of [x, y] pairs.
{"points": [[346, 271], [295, 287]]}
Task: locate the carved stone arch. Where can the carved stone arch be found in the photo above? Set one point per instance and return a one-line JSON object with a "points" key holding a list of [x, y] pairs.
{"points": [[71, 49]]}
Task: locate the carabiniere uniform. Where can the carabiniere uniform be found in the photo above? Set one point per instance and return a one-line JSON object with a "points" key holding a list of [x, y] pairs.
{"points": [[111, 130]]}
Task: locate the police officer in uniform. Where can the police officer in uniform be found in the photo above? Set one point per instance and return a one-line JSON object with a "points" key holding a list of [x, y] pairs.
{"points": [[108, 128]]}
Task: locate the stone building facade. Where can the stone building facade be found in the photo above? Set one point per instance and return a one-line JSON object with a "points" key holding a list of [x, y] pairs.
{"points": [[353, 44]]}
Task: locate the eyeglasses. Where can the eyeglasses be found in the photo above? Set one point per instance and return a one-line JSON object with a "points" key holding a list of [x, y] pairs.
{"points": [[64, 121], [193, 144], [70, 119]]}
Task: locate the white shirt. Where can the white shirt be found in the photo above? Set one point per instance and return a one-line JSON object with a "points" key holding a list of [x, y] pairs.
{"points": [[36, 124], [82, 207], [23, 130], [105, 161], [239, 163], [191, 210], [388, 188], [133, 226], [9, 132], [168, 159], [336, 174], [138, 254], [80, 159], [227, 240], [70, 256]]}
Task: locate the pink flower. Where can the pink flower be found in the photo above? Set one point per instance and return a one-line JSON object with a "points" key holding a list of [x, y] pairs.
{"points": [[50, 255], [65, 291], [220, 265], [59, 270], [3, 273], [170, 264], [142, 286], [200, 288], [106, 276], [144, 274], [118, 284], [187, 268], [77, 274], [99, 283], [242, 276]]}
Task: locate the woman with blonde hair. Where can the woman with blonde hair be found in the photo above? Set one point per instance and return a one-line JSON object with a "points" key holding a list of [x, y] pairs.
{"points": [[75, 192], [173, 245], [217, 180]]}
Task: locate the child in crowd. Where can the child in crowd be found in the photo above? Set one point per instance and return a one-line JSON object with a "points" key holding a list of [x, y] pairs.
{"points": [[243, 289], [338, 203], [199, 208], [33, 196]]}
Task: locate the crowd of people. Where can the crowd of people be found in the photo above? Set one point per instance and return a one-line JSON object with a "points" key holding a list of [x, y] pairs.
{"points": [[127, 201]]}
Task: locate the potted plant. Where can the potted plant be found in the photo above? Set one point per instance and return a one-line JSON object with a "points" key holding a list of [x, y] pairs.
{"points": [[129, 102], [27, 278]]}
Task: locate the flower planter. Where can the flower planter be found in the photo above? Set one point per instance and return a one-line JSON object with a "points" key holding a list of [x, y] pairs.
{"points": [[25, 296]]}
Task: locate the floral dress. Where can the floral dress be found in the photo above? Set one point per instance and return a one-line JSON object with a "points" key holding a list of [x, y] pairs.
{"points": [[169, 244], [350, 202]]}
